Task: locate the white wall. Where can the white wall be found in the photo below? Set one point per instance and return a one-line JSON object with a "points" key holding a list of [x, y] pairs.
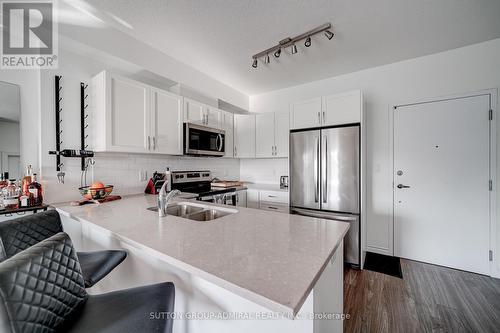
{"points": [[462, 70], [9, 137], [121, 170], [263, 170]]}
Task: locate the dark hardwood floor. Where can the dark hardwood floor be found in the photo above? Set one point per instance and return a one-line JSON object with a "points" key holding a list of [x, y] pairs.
{"points": [[428, 299]]}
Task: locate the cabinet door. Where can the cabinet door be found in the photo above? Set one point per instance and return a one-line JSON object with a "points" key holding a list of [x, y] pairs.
{"points": [[244, 136], [227, 124], [129, 116], [241, 198], [305, 114], [281, 133], [194, 112], [264, 134], [166, 123], [253, 198], [213, 117], [342, 108]]}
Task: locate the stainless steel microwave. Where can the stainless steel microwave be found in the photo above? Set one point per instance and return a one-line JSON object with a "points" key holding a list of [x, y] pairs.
{"points": [[203, 140]]}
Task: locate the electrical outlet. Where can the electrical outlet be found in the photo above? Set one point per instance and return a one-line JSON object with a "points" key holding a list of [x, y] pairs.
{"points": [[143, 175]]}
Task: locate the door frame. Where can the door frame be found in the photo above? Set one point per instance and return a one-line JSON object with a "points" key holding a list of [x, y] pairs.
{"points": [[494, 242]]}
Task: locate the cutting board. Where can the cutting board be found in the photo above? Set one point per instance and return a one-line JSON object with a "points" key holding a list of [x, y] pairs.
{"points": [[99, 201], [227, 183]]}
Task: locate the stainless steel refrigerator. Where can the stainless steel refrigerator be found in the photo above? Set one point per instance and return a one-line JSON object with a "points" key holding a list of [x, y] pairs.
{"points": [[325, 179]]}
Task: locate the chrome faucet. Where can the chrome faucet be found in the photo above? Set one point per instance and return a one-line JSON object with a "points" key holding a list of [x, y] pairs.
{"points": [[164, 198]]}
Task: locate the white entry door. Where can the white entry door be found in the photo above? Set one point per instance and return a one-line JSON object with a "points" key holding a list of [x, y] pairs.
{"points": [[441, 183]]}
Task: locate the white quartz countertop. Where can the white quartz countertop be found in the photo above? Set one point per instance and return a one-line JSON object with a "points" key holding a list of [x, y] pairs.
{"points": [[266, 187], [270, 258]]}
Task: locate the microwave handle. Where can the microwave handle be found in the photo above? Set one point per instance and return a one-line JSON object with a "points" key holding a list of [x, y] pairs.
{"points": [[219, 138]]}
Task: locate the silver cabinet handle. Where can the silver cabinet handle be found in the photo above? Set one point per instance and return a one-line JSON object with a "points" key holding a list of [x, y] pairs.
{"points": [[324, 117], [154, 142], [235, 151], [316, 167], [403, 186], [271, 207], [325, 173], [319, 117], [271, 196], [149, 142]]}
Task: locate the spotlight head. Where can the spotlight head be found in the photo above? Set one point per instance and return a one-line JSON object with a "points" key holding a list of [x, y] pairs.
{"points": [[329, 34], [254, 63], [277, 53], [307, 43], [294, 48], [266, 59]]}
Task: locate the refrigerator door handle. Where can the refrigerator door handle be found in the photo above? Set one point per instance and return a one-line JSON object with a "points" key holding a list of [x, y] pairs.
{"points": [[324, 215], [324, 177], [316, 167]]}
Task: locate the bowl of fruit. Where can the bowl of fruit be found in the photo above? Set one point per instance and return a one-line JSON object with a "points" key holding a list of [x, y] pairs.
{"points": [[96, 191]]}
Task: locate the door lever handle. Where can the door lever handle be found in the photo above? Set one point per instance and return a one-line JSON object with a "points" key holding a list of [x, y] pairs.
{"points": [[403, 186]]}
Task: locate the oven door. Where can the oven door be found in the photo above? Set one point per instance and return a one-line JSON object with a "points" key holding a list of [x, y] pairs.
{"points": [[202, 140]]}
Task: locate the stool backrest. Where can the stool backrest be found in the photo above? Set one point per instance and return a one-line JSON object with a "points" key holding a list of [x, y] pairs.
{"points": [[41, 288], [19, 234]]}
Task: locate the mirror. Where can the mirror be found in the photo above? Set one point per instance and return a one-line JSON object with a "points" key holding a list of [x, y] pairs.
{"points": [[10, 136]]}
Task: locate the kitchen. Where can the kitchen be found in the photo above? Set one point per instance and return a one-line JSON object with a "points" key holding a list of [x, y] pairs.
{"points": [[142, 104]]}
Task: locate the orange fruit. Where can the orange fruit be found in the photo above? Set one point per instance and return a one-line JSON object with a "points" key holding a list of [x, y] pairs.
{"points": [[97, 186]]}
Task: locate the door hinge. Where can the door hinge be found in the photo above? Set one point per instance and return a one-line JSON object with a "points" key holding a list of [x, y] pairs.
{"points": [[491, 255], [491, 114], [491, 185]]}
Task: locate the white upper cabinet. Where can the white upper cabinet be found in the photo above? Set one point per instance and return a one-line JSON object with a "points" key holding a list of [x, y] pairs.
{"points": [[342, 108], [244, 136], [121, 114], [264, 134], [227, 124], [166, 123], [129, 116], [281, 133], [305, 114], [213, 117], [331, 110], [194, 112], [271, 130]]}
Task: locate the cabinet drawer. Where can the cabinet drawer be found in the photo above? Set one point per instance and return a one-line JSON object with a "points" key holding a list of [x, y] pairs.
{"points": [[274, 196], [274, 207]]}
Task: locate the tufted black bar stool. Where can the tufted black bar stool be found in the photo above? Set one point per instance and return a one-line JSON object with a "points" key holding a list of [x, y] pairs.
{"points": [[19, 234], [42, 290]]}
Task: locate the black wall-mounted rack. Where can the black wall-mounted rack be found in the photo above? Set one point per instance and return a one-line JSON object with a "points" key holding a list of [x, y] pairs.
{"points": [[82, 153]]}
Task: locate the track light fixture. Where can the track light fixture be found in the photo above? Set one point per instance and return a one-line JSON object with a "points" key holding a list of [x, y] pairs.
{"points": [[329, 34], [291, 42], [307, 43]]}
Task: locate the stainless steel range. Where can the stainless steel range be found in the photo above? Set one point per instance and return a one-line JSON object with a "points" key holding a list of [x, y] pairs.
{"points": [[200, 182]]}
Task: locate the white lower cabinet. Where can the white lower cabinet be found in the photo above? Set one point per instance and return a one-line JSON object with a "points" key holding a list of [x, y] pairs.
{"points": [[253, 198], [244, 136], [241, 198]]}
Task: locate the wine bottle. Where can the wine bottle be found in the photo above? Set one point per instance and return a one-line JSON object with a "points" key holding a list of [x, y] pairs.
{"points": [[36, 192]]}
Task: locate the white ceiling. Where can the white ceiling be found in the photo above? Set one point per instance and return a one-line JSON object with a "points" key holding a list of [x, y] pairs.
{"points": [[218, 37]]}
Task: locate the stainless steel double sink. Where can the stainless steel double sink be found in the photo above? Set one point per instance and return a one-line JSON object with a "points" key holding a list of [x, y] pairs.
{"points": [[196, 212]]}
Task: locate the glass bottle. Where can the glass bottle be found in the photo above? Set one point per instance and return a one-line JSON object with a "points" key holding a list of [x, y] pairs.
{"points": [[27, 180], [11, 195], [36, 192]]}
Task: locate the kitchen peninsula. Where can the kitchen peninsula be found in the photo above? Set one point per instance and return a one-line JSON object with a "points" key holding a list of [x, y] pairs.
{"points": [[245, 266]]}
